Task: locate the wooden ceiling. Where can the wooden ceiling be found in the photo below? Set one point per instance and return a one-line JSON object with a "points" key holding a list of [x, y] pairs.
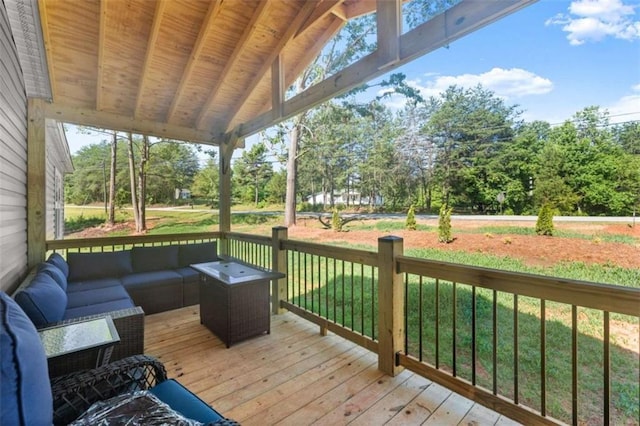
{"points": [[199, 70]]}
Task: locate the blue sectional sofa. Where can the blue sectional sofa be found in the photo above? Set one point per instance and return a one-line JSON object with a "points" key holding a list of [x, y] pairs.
{"points": [[123, 284]]}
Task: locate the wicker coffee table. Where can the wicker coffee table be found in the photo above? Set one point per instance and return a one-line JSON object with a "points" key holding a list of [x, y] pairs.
{"points": [[234, 299]]}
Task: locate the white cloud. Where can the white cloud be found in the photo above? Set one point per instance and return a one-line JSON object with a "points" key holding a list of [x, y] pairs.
{"points": [[626, 108], [594, 20]]}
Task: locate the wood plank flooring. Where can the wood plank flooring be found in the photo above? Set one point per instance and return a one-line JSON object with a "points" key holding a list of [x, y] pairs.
{"points": [[294, 376]]}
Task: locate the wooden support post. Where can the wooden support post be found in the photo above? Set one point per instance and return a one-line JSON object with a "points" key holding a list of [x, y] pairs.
{"points": [[389, 28], [224, 198], [391, 309], [36, 183], [279, 262], [277, 88]]}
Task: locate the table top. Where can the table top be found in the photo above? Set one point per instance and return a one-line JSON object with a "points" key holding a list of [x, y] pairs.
{"points": [[232, 272], [73, 337]]}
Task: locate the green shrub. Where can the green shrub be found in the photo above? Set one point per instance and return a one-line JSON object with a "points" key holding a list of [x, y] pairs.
{"points": [[544, 224], [336, 221], [411, 219], [444, 225]]}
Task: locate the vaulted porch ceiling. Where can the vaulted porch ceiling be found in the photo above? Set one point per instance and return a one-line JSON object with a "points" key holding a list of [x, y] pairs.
{"points": [[199, 70]]}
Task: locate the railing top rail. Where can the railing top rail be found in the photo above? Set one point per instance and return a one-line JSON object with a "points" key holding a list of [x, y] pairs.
{"points": [[606, 297], [258, 239], [125, 240], [348, 254]]}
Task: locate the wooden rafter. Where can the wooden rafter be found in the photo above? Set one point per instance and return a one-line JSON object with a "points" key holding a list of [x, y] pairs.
{"points": [[152, 45], [291, 31], [102, 31], [231, 61], [323, 9], [462, 19], [212, 12], [108, 120], [389, 29], [47, 45]]}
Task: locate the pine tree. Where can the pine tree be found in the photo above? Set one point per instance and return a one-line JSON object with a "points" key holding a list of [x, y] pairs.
{"points": [[444, 225], [544, 224], [336, 222], [411, 219]]}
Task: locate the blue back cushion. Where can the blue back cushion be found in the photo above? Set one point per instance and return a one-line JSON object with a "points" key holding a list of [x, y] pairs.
{"points": [[197, 253], [25, 388], [42, 300], [58, 261], [147, 259], [90, 266], [55, 273]]}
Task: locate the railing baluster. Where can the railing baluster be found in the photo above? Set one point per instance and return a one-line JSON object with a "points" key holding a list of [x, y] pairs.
{"points": [[574, 364], [454, 345], [374, 294], [362, 299], [406, 317], [607, 367], [543, 358], [437, 325], [515, 349], [420, 322], [473, 335], [326, 286], [494, 358], [344, 296]]}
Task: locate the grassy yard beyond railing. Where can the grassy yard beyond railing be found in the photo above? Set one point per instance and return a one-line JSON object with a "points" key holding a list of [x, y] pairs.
{"points": [[540, 350]]}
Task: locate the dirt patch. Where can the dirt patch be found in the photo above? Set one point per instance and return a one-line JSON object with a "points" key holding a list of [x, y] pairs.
{"points": [[531, 249]]}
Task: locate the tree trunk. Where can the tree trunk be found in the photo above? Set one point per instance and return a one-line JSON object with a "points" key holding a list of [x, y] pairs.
{"points": [[290, 198], [132, 176], [142, 185], [111, 217]]}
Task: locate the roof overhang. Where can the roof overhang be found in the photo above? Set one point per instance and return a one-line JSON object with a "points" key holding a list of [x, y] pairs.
{"points": [[209, 71]]}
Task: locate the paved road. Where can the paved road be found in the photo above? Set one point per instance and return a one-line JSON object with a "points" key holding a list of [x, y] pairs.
{"points": [[607, 219]]}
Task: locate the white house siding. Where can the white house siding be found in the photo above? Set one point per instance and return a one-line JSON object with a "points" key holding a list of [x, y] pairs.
{"points": [[13, 162]]}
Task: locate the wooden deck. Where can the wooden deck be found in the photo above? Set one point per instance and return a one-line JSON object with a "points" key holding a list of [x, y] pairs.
{"points": [[294, 376]]}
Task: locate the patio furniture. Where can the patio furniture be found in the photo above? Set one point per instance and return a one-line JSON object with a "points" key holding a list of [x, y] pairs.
{"points": [[28, 397], [234, 299]]}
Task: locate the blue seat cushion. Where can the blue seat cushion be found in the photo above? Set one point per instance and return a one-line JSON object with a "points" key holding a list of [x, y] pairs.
{"points": [[98, 308], [58, 261], [146, 259], [151, 279], [197, 253], [55, 273], [96, 295], [42, 300], [188, 274], [93, 284], [24, 377], [184, 402], [88, 266]]}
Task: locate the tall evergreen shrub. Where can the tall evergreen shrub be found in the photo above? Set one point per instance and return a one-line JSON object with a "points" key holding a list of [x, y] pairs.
{"points": [[336, 222], [544, 224], [411, 219], [444, 225]]}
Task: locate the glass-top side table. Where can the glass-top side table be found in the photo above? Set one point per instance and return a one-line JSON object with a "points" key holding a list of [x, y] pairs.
{"points": [[99, 334]]}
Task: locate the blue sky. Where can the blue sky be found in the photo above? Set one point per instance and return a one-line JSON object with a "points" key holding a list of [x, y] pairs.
{"points": [[552, 58]]}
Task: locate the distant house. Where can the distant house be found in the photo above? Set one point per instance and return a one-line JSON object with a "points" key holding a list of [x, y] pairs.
{"points": [[351, 198], [183, 194]]}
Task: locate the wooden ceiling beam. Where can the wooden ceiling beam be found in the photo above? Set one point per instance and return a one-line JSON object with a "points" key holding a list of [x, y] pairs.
{"points": [[152, 45], [42, 7], [108, 120], [203, 35], [102, 31], [306, 10], [231, 61], [458, 21], [389, 30], [325, 8]]}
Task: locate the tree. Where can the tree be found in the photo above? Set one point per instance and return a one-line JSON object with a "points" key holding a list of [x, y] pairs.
{"points": [[444, 225], [410, 223], [544, 224], [111, 217], [205, 182], [469, 128], [251, 174]]}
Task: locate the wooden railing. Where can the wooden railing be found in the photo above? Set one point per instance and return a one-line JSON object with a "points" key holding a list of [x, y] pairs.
{"points": [[520, 344]]}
